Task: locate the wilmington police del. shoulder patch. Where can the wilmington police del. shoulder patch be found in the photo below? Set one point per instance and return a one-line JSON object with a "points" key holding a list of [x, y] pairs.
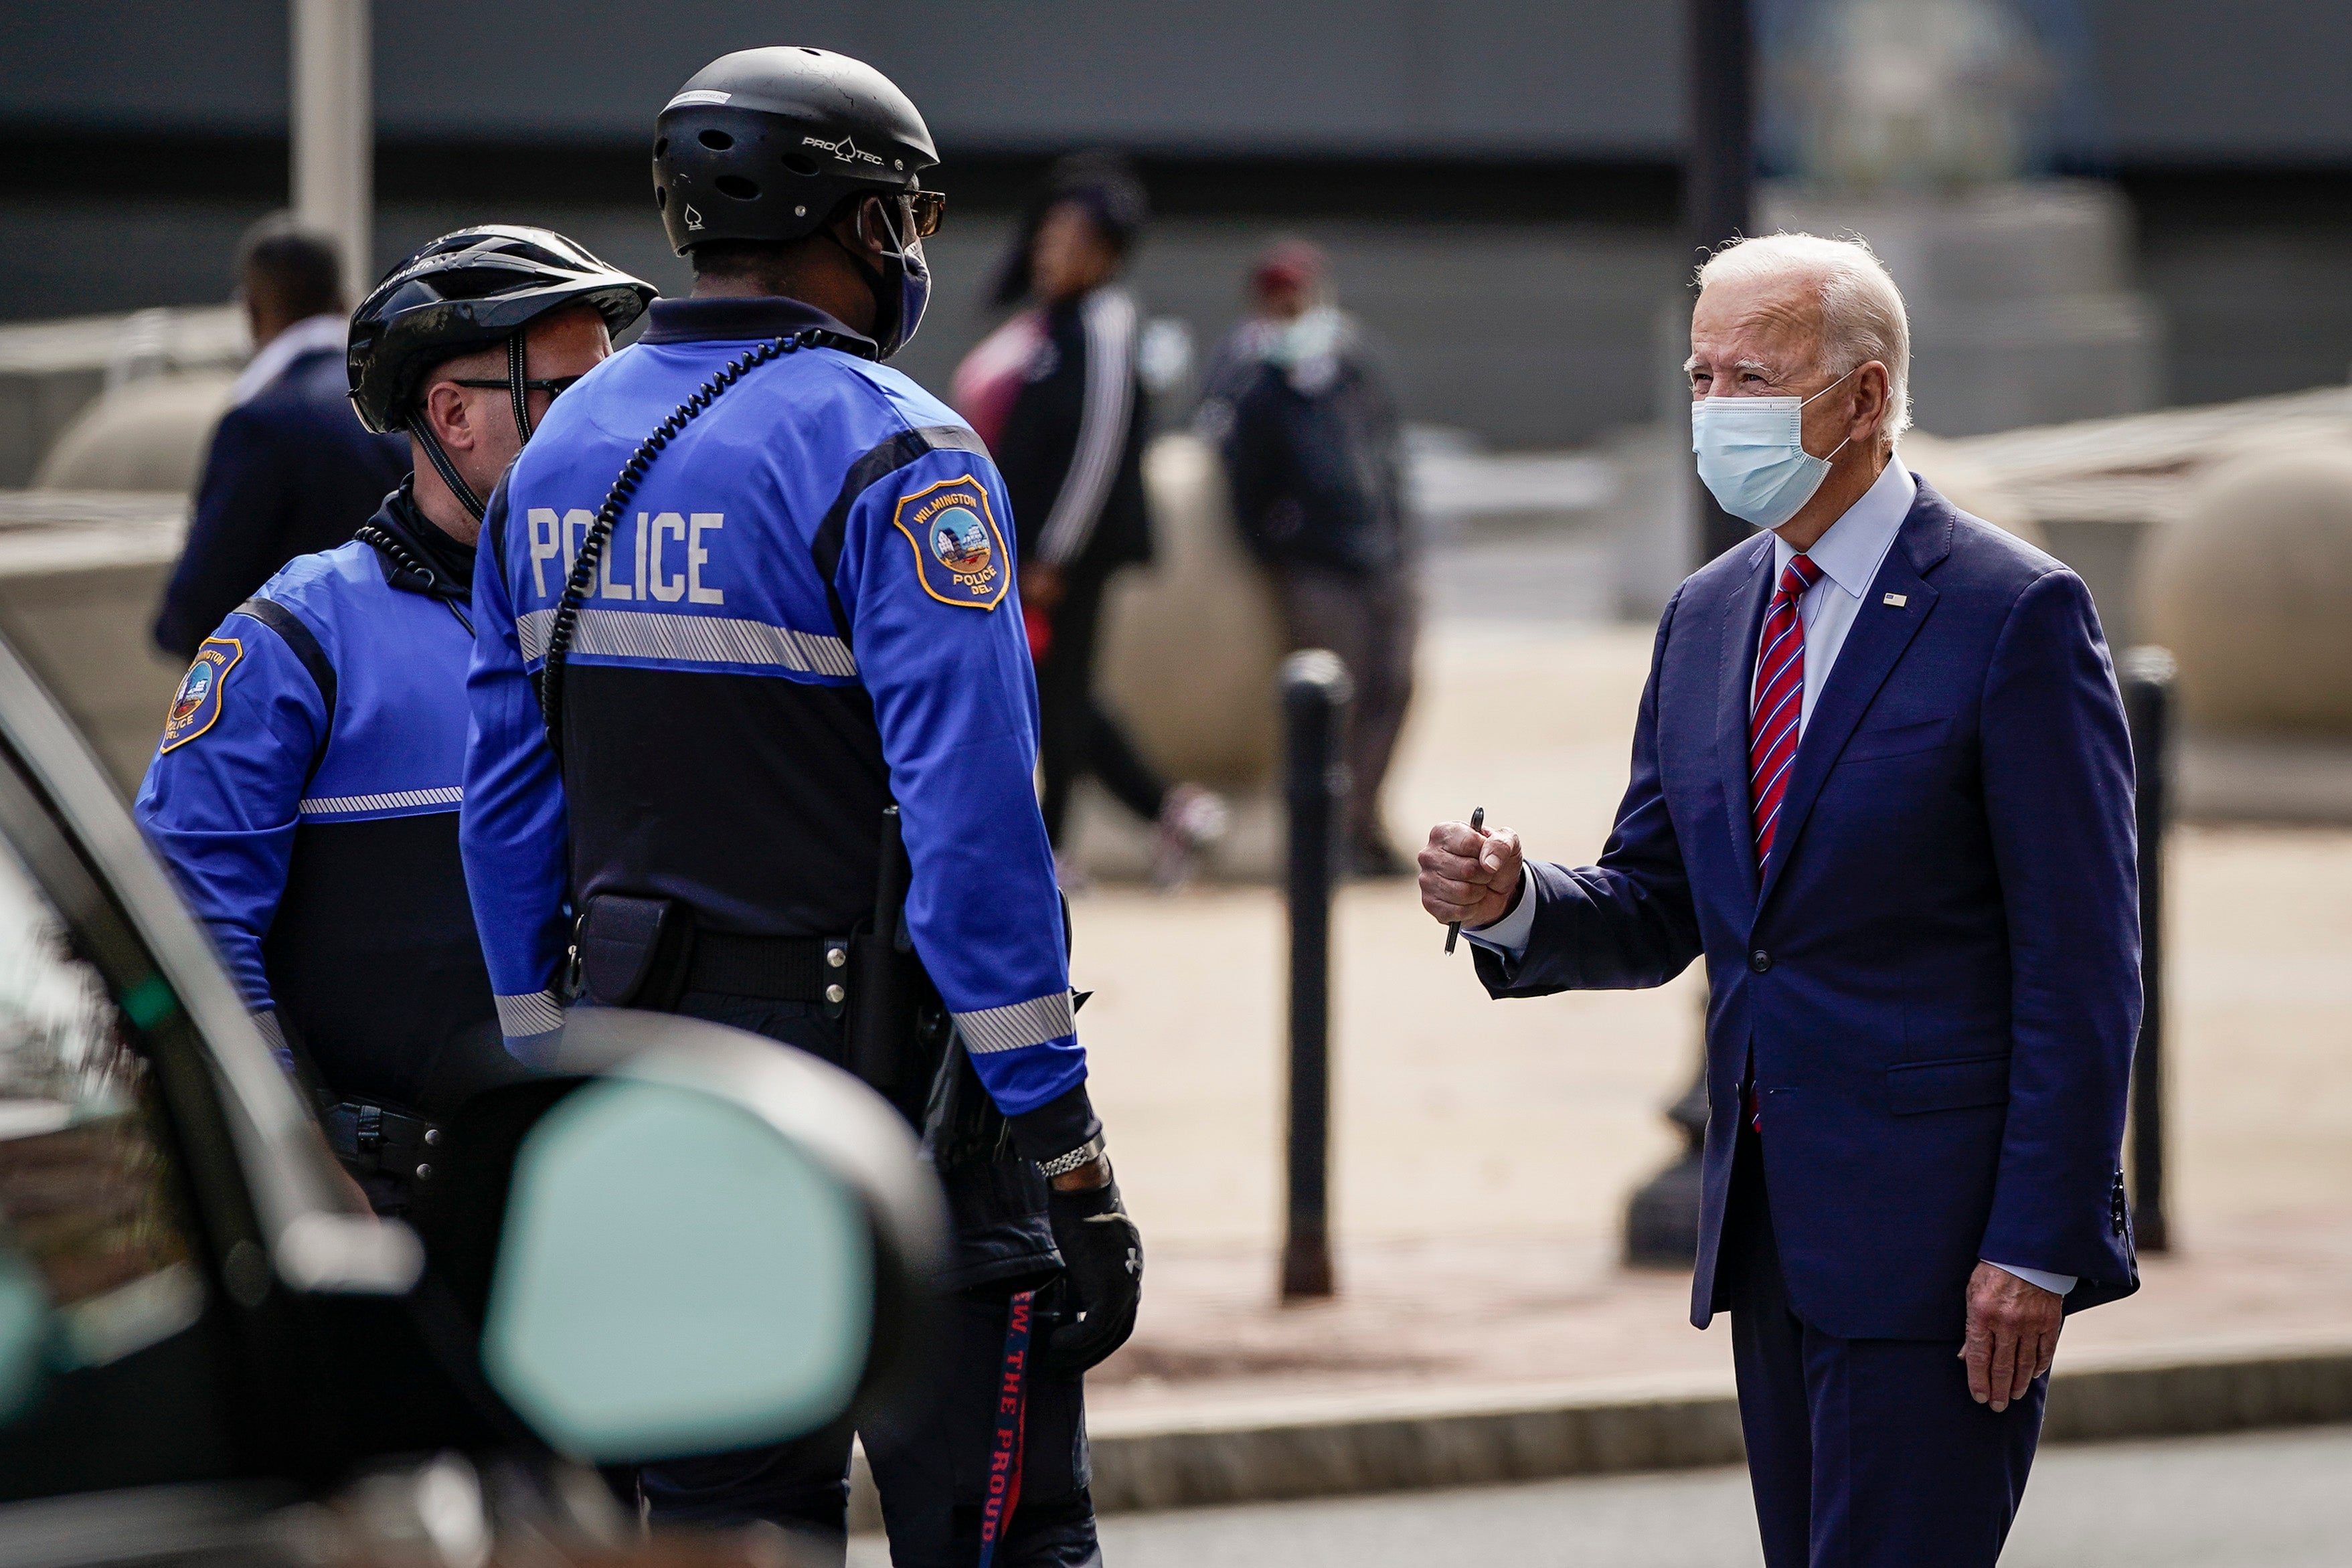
{"points": [[959, 552], [197, 703]]}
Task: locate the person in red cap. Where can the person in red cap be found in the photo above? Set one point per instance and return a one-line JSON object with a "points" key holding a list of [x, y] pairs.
{"points": [[1304, 414]]}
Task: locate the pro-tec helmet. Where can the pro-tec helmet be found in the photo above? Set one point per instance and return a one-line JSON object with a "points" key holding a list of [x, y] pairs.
{"points": [[763, 144]]}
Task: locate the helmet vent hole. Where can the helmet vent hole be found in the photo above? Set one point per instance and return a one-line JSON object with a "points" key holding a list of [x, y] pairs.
{"points": [[661, 145], [737, 186], [661, 198], [800, 163], [717, 140]]}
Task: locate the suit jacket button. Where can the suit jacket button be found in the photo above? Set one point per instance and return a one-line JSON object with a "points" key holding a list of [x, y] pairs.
{"points": [[1759, 960]]}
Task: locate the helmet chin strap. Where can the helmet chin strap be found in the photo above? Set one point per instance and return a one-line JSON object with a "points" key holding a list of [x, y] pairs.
{"points": [[518, 388], [877, 279], [420, 428]]}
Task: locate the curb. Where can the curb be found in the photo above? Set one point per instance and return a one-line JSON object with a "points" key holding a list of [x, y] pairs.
{"points": [[1273, 1451]]}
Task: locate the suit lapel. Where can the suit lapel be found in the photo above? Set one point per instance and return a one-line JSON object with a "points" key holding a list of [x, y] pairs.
{"points": [[1879, 633], [1743, 622]]}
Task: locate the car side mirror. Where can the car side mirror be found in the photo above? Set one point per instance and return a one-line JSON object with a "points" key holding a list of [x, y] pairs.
{"points": [[714, 1243]]}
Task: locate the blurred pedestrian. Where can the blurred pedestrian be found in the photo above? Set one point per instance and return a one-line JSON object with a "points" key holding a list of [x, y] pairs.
{"points": [[290, 471], [1306, 417], [1056, 394]]}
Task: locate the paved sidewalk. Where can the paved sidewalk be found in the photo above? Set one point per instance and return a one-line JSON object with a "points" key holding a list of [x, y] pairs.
{"points": [[1484, 1152], [2270, 1500]]}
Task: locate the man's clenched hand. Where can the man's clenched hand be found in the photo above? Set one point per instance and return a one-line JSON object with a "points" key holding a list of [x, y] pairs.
{"points": [[1468, 875], [2012, 1334]]}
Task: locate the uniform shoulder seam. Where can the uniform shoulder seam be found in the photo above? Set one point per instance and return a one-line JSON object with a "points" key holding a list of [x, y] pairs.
{"points": [[300, 640], [878, 461]]}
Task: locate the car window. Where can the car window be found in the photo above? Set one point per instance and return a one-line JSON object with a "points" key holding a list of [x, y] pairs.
{"points": [[86, 1194]]}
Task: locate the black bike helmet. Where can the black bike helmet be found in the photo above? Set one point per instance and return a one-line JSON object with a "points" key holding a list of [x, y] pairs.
{"points": [[764, 145], [474, 290]]}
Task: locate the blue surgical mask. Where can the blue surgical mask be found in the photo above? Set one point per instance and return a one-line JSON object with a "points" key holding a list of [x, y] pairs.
{"points": [[902, 288], [913, 280], [1752, 457]]}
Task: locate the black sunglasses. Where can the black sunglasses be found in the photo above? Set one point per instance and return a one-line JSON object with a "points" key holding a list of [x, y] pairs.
{"points": [[554, 386]]}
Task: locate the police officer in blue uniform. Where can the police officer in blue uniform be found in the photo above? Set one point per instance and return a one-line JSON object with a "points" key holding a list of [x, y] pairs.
{"points": [[755, 731], [306, 788]]}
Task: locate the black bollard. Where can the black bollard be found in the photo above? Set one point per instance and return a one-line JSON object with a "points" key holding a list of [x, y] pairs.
{"points": [[2147, 675], [1662, 1216], [1719, 184], [1718, 181], [1314, 696]]}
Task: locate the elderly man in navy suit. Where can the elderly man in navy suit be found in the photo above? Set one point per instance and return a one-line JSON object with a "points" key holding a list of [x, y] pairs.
{"points": [[1881, 783]]}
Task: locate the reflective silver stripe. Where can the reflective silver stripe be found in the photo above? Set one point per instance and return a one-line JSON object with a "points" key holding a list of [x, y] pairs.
{"points": [[274, 1033], [1012, 1026], [694, 639], [1109, 316], [319, 805], [535, 1012]]}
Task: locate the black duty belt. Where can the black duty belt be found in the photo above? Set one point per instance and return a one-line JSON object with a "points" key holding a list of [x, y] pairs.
{"points": [[773, 968], [388, 1141]]}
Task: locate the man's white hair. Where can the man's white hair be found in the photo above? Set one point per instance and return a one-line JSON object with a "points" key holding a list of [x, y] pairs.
{"points": [[1862, 318]]}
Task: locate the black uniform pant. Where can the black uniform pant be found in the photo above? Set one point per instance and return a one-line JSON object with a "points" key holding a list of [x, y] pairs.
{"points": [[1372, 621], [1863, 1453], [931, 1460], [1077, 735]]}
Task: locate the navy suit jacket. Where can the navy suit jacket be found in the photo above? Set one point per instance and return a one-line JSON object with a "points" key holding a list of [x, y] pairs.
{"points": [[1937, 974], [291, 472]]}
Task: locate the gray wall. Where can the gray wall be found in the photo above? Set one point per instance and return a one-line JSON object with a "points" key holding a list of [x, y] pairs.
{"points": [[2179, 79], [1529, 333]]}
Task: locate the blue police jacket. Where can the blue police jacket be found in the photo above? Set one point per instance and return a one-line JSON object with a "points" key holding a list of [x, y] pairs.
{"points": [[305, 793], [290, 471], [806, 613]]}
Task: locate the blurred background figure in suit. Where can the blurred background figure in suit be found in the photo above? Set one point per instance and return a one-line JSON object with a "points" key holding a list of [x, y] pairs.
{"points": [[290, 470], [1306, 419], [1055, 393]]}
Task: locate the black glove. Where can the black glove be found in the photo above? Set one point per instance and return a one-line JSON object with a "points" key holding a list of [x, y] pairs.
{"points": [[1102, 1257]]}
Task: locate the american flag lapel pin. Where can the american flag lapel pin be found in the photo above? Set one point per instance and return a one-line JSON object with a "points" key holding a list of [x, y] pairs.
{"points": [[1896, 600]]}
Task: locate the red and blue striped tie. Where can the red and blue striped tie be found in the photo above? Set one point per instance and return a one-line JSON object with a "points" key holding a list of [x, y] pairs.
{"points": [[1780, 700]]}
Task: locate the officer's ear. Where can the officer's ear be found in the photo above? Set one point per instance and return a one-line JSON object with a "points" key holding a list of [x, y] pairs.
{"points": [[871, 226], [449, 415]]}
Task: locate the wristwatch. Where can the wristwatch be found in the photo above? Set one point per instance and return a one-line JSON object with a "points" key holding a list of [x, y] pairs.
{"points": [[1063, 1165]]}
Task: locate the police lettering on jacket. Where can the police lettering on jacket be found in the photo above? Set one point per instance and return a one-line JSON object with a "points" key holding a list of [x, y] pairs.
{"points": [[793, 625]]}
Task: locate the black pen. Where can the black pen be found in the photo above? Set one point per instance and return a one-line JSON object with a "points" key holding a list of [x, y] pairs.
{"points": [[1454, 931]]}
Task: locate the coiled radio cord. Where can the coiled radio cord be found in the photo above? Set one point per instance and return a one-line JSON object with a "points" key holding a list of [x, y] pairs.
{"points": [[565, 625]]}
